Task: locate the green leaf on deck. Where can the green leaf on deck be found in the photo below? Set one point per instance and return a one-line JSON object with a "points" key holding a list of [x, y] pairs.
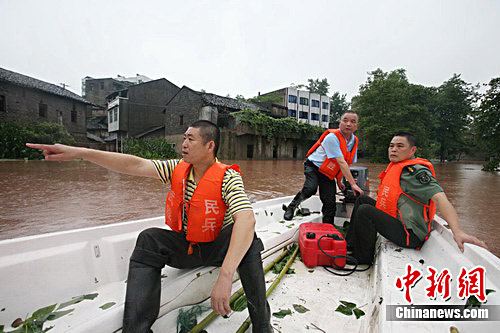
{"points": [[300, 308], [349, 308], [358, 313], [344, 310], [282, 221], [310, 270], [473, 301], [78, 299], [59, 314], [107, 305], [277, 233], [43, 313], [348, 304], [282, 313]]}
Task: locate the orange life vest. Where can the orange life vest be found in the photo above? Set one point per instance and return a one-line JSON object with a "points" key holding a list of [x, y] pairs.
{"points": [[330, 166], [390, 190], [205, 210]]}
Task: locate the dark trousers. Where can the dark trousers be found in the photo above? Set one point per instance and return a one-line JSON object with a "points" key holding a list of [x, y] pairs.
{"points": [[366, 221], [158, 247], [327, 190]]}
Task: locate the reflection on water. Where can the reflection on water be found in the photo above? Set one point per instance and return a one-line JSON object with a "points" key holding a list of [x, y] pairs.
{"points": [[38, 197]]}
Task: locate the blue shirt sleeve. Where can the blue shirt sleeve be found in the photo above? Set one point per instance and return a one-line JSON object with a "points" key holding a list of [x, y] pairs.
{"points": [[331, 144]]}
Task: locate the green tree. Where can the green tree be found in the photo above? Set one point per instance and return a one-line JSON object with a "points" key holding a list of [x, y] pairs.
{"points": [[318, 86], [13, 137], [338, 106], [453, 106], [388, 103], [151, 148], [487, 124]]}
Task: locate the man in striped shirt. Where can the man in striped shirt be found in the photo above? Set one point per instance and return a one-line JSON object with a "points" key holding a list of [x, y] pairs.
{"points": [[235, 247]]}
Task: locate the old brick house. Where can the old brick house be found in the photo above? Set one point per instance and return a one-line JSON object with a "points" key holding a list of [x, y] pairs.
{"points": [[138, 111], [238, 141], [28, 100]]}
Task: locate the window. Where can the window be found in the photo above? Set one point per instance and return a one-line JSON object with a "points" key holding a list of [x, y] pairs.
{"points": [[91, 86], [3, 106], [42, 110], [73, 114], [249, 151], [325, 105], [102, 85], [324, 118], [292, 99], [315, 103], [303, 115], [181, 120], [292, 113], [304, 101], [115, 111], [314, 116]]}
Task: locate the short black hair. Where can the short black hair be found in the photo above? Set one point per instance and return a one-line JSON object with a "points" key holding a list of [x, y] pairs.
{"points": [[349, 111], [410, 137], [208, 132]]}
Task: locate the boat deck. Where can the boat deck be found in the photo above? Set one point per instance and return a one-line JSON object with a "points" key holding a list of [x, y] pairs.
{"points": [[53, 268]]}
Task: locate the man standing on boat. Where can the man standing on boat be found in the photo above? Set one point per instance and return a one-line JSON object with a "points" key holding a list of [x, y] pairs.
{"points": [[327, 161], [407, 198], [212, 224]]}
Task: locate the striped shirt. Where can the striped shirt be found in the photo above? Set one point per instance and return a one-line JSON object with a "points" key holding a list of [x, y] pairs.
{"points": [[233, 191]]}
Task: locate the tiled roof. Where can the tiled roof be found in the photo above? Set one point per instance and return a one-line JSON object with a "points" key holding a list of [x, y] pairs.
{"points": [[29, 82], [97, 123], [94, 137], [228, 102]]}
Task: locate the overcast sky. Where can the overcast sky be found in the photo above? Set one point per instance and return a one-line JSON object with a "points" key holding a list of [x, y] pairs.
{"points": [[243, 47]]}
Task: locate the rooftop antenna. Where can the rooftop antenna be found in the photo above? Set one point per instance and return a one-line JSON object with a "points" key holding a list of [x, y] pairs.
{"points": [[64, 85]]}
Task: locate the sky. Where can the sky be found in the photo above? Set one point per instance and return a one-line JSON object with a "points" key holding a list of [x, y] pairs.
{"points": [[245, 47]]}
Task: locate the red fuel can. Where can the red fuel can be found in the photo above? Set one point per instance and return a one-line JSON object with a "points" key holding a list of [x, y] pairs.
{"points": [[312, 256]]}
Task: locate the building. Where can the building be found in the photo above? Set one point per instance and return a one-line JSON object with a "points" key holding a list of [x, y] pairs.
{"points": [[303, 105], [138, 111], [96, 90], [28, 100], [238, 141]]}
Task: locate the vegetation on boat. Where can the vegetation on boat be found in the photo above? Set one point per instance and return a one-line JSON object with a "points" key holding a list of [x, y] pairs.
{"points": [[349, 308], [472, 301], [35, 323], [282, 313]]}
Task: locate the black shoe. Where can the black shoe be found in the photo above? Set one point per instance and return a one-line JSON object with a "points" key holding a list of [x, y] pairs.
{"points": [[289, 213]]}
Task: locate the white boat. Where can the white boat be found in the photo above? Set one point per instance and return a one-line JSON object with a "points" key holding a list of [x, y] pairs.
{"points": [[57, 268]]}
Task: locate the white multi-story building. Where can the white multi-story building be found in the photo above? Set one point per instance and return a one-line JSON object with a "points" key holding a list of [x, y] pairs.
{"points": [[305, 106]]}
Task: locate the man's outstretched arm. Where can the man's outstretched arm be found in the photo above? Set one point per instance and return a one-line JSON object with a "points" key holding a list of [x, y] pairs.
{"points": [[241, 239], [449, 214], [122, 163]]}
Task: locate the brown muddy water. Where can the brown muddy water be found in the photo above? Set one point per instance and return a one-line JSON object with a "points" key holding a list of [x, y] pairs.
{"points": [[38, 197]]}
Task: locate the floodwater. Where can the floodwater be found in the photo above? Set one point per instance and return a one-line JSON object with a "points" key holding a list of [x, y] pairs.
{"points": [[39, 197]]}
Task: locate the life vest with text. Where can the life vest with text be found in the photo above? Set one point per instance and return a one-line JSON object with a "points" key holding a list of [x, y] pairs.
{"points": [[206, 208], [330, 167], [390, 190]]}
